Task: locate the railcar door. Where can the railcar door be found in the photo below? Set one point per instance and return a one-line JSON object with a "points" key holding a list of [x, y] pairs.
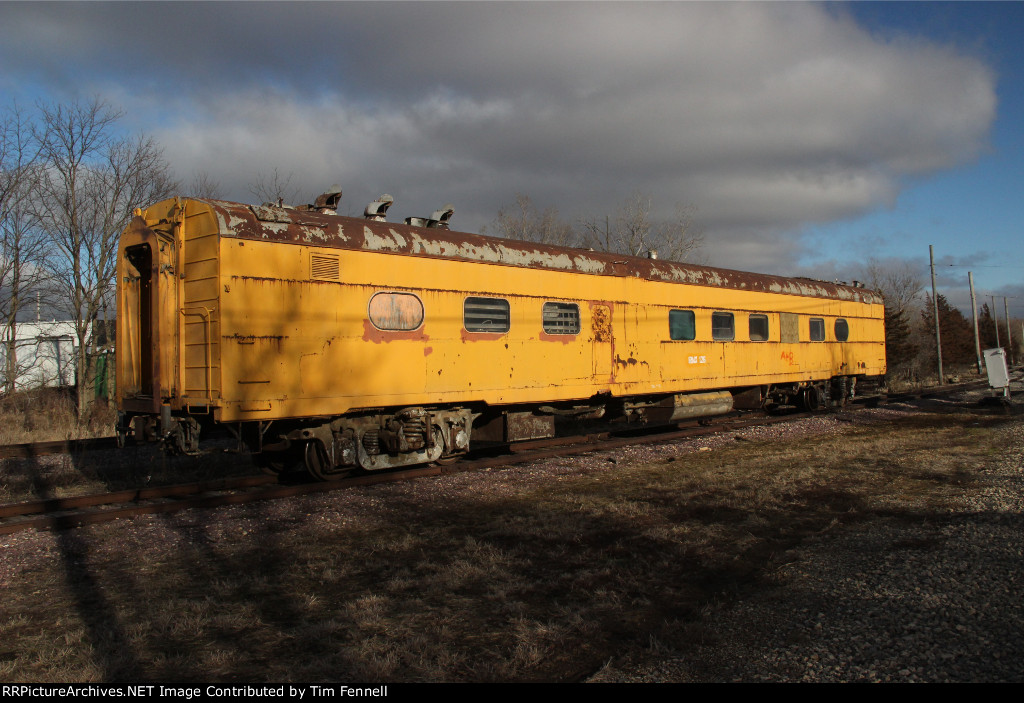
{"points": [[146, 292], [136, 323]]}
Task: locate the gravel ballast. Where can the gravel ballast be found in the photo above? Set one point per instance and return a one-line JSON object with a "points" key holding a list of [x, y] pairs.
{"points": [[882, 601], [923, 589]]}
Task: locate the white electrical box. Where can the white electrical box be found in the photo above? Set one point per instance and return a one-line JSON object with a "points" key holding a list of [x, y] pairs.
{"points": [[995, 364]]}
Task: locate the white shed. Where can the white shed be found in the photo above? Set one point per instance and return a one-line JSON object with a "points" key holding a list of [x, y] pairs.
{"points": [[45, 353]]}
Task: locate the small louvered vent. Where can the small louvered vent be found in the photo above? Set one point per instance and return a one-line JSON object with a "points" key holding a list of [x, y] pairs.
{"points": [[561, 318], [486, 315], [324, 268]]}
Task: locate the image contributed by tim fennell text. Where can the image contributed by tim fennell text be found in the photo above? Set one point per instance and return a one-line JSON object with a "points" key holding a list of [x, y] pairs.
{"points": [[193, 692]]}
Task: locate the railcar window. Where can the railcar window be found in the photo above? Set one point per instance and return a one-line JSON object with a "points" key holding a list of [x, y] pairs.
{"points": [[396, 311], [681, 325], [561, 318], [758, 328], [842, 330], [486, 315], [817, 329], [723, 326]]}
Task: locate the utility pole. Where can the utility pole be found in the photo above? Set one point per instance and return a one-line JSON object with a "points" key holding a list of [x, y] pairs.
{"points": [[1009, 335], [995, 319], [974, 310], [935, 312]]}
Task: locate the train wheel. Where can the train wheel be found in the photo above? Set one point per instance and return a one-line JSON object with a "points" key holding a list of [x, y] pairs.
{"points": [[811, 399], [444, 460], [318, 462]]}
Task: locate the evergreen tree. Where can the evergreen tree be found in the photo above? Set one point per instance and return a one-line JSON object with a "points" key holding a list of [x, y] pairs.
{"points": [[900, 346], [987, 329], [957, 332]]}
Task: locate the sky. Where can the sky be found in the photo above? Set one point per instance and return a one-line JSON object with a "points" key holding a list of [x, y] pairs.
{"points": [[805, 138]]}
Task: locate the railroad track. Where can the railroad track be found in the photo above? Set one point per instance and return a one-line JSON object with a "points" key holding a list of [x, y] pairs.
{"points": [[60, 446], [70, 446], [76, 511], [65, 513]]}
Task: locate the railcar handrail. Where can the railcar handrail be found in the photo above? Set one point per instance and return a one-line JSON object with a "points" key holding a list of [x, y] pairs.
{"points": [[207, 314]]}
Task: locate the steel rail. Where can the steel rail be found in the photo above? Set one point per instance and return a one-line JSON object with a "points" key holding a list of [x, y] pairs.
{"points": [[60, 446], [33, 449], [64, 513]]}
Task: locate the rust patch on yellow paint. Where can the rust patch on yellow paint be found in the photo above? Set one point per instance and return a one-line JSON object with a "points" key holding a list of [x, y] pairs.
{"points": [[563, 338], [372, 334], [288, 281], [601, 316], [481, 336], [243, 338]]}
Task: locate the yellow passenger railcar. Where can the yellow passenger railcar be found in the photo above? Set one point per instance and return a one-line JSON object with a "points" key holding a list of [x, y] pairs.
{"points": [[355, 342]]}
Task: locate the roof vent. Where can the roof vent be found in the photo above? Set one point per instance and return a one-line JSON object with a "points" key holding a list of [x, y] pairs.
{"points": [[440, 217], [378, 209], [327, 203], [439, 220]]}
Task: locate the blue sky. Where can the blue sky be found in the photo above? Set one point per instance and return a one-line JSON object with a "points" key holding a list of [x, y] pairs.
{"points": [[972, 214], [806, 137]]}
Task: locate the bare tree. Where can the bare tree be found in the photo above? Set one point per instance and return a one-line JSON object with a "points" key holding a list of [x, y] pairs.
{"points": [[274, 188], [679, 239], [898, 282], [525, 223], [23, 248], [203, 185], [632, 231], [93, 180], [900, 285]]}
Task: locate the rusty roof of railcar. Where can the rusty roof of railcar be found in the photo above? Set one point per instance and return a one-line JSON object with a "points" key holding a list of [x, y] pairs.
{"points": [[309, 227]]}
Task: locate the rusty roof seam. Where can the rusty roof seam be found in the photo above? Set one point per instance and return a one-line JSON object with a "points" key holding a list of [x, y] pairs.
{"points": [[271, 223]]}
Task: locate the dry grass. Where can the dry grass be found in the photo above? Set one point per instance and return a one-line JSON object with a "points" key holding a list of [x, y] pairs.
{"points": [[534, 574], [142, 466], [49, 414], [958, 373]]}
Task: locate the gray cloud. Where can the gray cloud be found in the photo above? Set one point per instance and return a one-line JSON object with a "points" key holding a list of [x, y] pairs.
{"points": [[766, 117]]}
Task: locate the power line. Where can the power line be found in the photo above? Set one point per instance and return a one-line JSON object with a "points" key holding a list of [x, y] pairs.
{"points": [[982, 266]]}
